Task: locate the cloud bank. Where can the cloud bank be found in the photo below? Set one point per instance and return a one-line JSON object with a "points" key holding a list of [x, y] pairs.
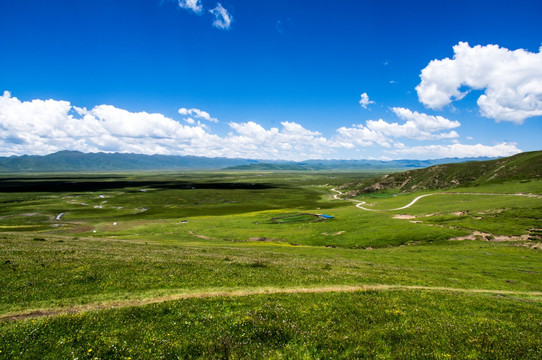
{"points": [[382, 133], [455, 150], [512, 81], [46, 126]]}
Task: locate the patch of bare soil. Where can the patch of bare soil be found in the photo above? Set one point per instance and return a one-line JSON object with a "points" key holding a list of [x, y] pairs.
{"points": [[478, 235], [333, 234], [199, 236], [531, 245], [404, 217]]}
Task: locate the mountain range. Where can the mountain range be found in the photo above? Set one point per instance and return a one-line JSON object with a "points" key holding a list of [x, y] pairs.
{"points": [[67, 161]]}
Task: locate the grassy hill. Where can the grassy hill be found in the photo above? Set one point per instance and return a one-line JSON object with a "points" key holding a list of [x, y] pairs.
{"points": [[524, 166]]}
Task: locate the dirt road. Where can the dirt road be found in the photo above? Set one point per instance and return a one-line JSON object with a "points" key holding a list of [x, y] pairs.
{"points": [[360, 203]]}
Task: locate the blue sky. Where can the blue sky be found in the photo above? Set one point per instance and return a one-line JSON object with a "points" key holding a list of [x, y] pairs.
{"points": [[271, 79]]}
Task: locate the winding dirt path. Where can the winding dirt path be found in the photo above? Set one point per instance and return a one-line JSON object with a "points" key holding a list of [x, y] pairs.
{"points": [[39, 313], [360, 203]]}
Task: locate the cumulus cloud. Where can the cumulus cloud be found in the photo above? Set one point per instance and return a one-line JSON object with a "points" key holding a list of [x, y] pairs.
{"points": [[512, 81], [46, 126], [359, 135], [194, 5], [364, 102], [198, 114], [291, 141], [408, 130], [455, 150], [418, 126], [222, 18]]}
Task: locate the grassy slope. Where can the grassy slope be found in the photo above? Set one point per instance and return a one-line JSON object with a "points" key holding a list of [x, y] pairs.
{"points": [[524, 166], [46, 274], [150, 254], [389, 325]]}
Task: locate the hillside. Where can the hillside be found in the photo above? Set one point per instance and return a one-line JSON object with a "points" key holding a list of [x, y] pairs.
{"points": [[524, 166]]}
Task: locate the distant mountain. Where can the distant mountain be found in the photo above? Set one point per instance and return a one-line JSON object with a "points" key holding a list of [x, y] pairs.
{"points": [[524, 166], [78, 161], [66, 161], [376, 165]]}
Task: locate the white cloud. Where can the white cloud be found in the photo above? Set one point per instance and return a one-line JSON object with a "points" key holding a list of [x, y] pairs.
{"points": [[40, 127], [292, 141], [194, 5], [408, 130], [46, 126], [198, 114], [454, 150], [223, 19], [418, 126], [512, 81], [364, 102], [359, 135], [425, 122]]}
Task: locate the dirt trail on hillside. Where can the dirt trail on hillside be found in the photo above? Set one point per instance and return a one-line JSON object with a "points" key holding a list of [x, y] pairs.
{"points": [[39, 313], [360, 203]]}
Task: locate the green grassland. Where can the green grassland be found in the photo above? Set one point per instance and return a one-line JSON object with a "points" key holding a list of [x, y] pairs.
{"points": [[191, 265], [520, 167]]}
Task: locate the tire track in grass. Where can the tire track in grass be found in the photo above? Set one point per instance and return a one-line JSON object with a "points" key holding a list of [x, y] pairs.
{"points": [[40, 313]]}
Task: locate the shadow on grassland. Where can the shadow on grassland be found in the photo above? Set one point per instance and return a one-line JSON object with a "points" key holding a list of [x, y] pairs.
{"points": [[57, 184]]}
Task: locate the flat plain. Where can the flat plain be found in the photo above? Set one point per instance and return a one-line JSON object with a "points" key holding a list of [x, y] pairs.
{"points": [[193, 265]]}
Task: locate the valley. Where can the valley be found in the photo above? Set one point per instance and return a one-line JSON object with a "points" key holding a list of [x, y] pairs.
{"points": [[195, 265]]}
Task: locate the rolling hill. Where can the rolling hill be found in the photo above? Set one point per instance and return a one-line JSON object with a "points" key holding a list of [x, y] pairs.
{"points": [[523, 166]]}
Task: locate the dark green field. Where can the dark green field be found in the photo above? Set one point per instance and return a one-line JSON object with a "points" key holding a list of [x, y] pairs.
{"points": [[235, 265]]}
